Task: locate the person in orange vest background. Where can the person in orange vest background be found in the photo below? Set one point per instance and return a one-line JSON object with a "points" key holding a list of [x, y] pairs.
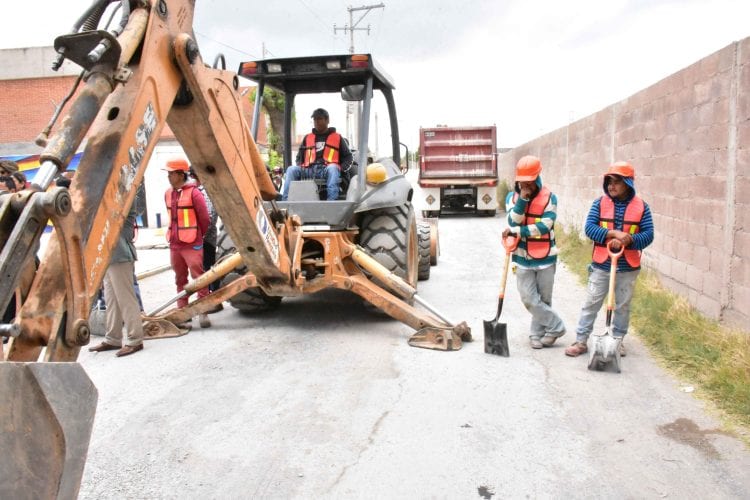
{"points": [[532, 211], [622, 216], [323, 154], [188, 222]]}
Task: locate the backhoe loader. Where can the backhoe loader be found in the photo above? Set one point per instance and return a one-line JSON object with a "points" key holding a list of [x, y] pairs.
{"points": [[144, 73]]}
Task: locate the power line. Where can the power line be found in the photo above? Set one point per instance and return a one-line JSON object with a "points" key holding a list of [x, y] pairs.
{"points": [[227, 46]]}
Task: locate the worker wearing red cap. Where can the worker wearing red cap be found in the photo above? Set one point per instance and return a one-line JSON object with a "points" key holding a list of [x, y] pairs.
{"points": [[532, 211], [620, 215], [188, 222]]}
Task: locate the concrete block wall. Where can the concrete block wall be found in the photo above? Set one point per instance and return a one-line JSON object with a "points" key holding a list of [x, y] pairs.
{"points": [[688, 137]]}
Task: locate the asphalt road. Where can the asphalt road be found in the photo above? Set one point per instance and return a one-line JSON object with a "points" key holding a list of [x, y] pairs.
{"points": [[323, 399]]}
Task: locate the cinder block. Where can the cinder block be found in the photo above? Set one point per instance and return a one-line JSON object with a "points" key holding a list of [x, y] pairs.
{"points": [[709, 306], [694, 277], [740, 297], [742, 215], [742, 190], [679, 270], [715, 238], [740, 270], [701, 258], [716, 261], [736, 319], [675, 286], [712, 286]]}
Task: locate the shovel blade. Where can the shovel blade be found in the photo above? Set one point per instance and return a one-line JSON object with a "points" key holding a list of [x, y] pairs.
{"points": [[439, 339], [496, 338], [605, 353]]}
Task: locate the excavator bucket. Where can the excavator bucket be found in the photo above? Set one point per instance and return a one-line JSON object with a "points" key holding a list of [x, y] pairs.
{"points": [[441, 339], [162, 329], [46, 417]]}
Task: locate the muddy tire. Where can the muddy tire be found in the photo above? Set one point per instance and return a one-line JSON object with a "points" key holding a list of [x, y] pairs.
{"points": [[423, 238], [252, 300], [389, 235]]}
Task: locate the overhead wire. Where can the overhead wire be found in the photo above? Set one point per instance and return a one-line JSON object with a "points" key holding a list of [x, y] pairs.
{"points": [[227, 46]]}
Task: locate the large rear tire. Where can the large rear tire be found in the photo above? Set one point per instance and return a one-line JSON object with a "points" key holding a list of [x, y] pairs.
{"points": [[389, 235], [252, 300], [423, 237]]}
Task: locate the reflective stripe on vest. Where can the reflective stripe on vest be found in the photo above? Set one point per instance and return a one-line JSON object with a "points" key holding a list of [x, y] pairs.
{"points": [[186, 218], [330, 150], [537, 247], [631, 224]]}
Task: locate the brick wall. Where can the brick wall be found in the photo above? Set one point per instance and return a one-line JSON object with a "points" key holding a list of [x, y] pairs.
{"points": [[26, 106], [689, 138]]}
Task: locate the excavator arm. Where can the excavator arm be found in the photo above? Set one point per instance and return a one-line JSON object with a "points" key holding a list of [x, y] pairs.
{"points": [[134, 82]]}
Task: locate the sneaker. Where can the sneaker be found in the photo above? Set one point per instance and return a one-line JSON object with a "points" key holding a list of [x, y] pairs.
{"points": [[549, 340], [204, 321], [623, 352], [576, 349], [535, 343]]}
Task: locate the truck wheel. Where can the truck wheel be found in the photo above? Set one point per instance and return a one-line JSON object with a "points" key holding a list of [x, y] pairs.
{"points": [[389, 235], [423, 237], [251, 300]]}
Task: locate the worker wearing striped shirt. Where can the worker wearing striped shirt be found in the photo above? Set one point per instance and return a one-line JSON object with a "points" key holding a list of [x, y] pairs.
{"points": [[532, 210], [623, 216]]}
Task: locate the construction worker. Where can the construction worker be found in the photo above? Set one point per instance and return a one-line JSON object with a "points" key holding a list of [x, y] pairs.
{"points": [[323, 154], [622, 216], [119, 294], [532, 210], [188, 222]]}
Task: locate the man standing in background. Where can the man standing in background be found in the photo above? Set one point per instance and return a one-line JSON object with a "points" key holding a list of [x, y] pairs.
{"points": [[188, 222]]}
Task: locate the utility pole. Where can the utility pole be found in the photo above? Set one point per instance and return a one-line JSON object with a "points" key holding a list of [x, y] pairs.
{"points": [[351, 28]]}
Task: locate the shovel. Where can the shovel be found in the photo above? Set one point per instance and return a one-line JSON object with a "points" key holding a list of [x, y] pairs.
{"points": [[496, 334], [606, 348]]}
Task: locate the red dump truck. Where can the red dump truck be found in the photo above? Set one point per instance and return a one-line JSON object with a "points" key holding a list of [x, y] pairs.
{"points": [[458, 170]]}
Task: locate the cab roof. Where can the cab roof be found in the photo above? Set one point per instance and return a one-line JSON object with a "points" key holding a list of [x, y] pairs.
{"points": [[316, 74]]}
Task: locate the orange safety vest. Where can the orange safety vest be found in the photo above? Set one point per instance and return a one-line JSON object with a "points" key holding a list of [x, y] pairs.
{"points": [[187, 219], [537, 247], [631, 224], [330, 150]]}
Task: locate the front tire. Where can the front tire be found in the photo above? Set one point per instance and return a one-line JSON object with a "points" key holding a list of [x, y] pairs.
{"points": [[389, 235], [252, 300]]}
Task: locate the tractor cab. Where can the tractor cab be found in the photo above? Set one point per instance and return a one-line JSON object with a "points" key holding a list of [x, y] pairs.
{"points": [[346, 85]]}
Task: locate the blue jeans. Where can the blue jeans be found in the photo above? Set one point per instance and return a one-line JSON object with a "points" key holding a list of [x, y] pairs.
{"points": [[329, 172], [535, 288], [596, 292]]}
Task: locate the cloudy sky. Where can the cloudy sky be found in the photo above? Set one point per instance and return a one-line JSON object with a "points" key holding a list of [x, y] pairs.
{"points": [[527, 66]]}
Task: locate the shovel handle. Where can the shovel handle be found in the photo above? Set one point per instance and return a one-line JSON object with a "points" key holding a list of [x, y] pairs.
{"points": [[612, 254], [614, 257]]}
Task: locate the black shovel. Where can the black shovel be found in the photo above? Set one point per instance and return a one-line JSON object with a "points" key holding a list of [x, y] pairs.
{"points": [[496, 334]]}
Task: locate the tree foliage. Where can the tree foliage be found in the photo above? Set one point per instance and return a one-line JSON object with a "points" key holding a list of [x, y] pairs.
{"points": [[273, 105]]}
